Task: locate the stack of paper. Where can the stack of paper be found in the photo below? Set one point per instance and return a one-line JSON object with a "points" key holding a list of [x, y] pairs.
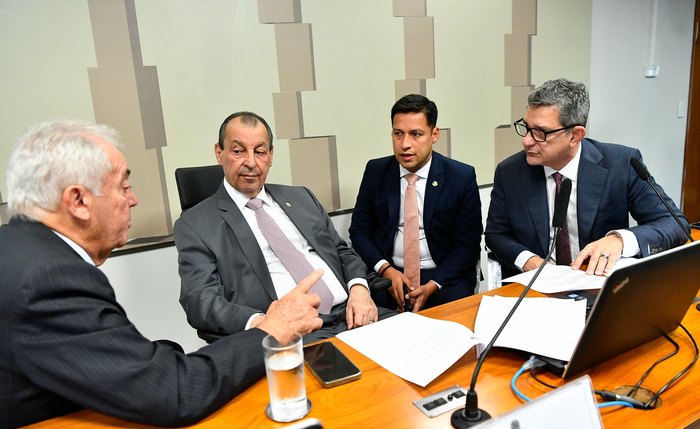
{"points": [[414, 347]]}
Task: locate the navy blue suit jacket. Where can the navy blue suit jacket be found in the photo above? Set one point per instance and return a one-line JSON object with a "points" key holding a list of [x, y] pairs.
{"points": [[451, 219], [608, 190]]}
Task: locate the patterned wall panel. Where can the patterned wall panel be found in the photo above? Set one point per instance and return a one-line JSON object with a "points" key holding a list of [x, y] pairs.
{"points": [[313, 159], [419, 57], [126, 96], [517, 73]]}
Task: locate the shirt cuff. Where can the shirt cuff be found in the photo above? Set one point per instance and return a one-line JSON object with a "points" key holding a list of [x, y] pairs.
{"points": [[522, 259], [250, 320], [439, 286], [358, 281], [379, 264], [630, 244]]}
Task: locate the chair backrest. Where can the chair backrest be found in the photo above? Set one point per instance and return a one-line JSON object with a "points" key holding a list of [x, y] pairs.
{"points": [[195, 184], [4, 216]]}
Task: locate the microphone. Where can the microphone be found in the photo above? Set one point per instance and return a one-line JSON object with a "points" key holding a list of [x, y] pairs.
{"points": [[471, 414], [643, 173], [561, 203]]}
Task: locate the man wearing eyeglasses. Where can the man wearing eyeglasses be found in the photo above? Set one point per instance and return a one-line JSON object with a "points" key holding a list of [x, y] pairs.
{"points": [[605, 191]]}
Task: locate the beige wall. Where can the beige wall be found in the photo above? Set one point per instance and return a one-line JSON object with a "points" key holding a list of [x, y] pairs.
{"points": [[214, 57]]}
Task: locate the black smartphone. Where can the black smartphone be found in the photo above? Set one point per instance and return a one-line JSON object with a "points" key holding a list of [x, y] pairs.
{"points": [[695, 225], [329, 365]]}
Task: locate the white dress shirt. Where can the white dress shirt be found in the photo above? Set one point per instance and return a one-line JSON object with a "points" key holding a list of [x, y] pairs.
{"points": [[426, 260], [281, 279], [570, 171]]}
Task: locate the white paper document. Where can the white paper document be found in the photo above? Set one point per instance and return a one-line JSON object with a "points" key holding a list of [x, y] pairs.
{"points": [[562, 278], [545, 326], [414, 347]]}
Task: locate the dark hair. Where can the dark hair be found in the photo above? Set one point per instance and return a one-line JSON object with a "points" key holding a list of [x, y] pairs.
{"points": [[247, 118], [415, 103]]}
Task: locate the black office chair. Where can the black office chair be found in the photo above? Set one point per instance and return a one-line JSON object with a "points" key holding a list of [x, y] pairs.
{"points": [[194, 184]]}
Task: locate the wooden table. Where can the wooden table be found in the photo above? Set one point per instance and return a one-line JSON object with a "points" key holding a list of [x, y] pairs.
{"points": [[381, 399]]}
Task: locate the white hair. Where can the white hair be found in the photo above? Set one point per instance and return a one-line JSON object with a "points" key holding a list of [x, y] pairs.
{"points": [[49, 157]]}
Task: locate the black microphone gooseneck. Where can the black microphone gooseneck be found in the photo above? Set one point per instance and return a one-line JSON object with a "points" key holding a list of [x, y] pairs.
{"points": [[471, 414], [644, 174]]}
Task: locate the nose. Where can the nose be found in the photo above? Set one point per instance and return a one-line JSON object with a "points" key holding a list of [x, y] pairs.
{"points": [[528, 141], [133, 199], [249, 160]]}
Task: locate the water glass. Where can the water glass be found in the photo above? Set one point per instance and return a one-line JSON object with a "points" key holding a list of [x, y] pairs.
{"points": [[284, 364]]}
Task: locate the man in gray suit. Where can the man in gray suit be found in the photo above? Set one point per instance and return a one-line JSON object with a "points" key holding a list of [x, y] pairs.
{"points": [[230, 273], [65, 342]]}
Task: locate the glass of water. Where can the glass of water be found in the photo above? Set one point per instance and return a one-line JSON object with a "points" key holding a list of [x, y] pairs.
{"points": [[284, 364]]}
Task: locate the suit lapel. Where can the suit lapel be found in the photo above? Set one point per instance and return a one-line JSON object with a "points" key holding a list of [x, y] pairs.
{"points": [[246, 239], [591, 178], [295, 215], [392, 190], [301, 220], [433, 188], [533, 188]]}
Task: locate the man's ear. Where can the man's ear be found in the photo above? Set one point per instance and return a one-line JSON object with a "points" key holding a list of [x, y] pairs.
{"points": [[578, 133], [218, 152], [78, 201], [436, 135]]}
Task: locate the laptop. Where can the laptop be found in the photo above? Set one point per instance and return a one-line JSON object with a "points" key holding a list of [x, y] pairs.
{"points": [[637, 304]]}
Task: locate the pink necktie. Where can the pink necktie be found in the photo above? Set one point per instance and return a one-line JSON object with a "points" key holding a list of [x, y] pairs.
{"points": [[411, 245], [291, 257], [563, 245]]}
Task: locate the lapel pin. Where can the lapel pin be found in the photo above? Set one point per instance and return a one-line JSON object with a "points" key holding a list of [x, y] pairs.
{"points": [[288, 204], [435, 183]]}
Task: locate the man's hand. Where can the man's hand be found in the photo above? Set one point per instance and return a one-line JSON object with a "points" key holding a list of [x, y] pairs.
{"points": [[398, 280], [360, 309], [419, 296], [602, 255], [296, 312], [532, 263]]}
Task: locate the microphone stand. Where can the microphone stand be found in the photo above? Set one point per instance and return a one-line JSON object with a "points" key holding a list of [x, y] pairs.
{"points": [[471, 414], [670, 210]]}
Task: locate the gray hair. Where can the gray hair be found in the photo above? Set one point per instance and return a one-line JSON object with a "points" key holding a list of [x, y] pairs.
{"points": [[49, 157], [570, 98]]}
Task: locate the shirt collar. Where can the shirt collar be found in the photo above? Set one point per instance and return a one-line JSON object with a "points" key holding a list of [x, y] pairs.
{"points": [[422, 173], [79, 250], [570, 170], [241, 199]]}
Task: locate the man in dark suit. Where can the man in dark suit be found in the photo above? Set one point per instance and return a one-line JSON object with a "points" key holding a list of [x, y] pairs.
{"points": [[230, 272], [449, 212], [66, 342], [605, 191]]}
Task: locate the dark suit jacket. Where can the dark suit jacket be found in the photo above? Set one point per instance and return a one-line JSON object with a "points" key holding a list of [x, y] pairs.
{"points": [[451, 220], [65, 344], [224, 275], [608, 190]]}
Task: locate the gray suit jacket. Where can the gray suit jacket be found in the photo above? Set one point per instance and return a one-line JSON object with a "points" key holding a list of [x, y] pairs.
{"points": [[608, 191], [224, 275], [65, 343]]}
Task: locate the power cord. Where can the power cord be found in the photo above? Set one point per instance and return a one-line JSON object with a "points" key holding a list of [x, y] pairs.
{"points": [[616, 399], [533, 363], [680, 374], [648, 371]]}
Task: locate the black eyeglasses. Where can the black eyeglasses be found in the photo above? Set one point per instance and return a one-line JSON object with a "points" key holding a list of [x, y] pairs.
{"points": [[538, 135]]}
